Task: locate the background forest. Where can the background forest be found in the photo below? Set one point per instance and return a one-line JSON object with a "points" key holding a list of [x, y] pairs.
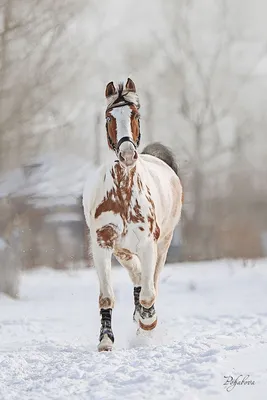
{"points": [[201, 72]]}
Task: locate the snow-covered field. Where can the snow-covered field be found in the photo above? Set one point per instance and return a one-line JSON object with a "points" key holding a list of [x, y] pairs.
{"points": [[212, 323]]}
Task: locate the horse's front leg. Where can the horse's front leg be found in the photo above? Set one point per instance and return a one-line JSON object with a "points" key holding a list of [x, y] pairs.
{"points": [[148, 316], [102, 261]]}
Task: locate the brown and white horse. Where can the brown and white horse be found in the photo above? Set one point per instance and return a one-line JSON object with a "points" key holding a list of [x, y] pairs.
{"points": [[131, 209]]}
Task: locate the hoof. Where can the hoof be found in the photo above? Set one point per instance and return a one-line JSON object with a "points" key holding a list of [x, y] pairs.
{"points": [[148, 318], [149, 327], [106, 344]]}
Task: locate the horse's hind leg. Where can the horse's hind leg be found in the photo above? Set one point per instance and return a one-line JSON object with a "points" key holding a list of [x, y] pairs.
{"points": [[162, 253], [132, 263], [102, 262]]}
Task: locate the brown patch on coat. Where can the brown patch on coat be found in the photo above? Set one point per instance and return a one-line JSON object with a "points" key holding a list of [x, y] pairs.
{"points": [[123, 254], [105, 302], [150, 220], [151, 217], [107, 235], [148, 190], [118, 199], [111, 128], [136, 216], [156, 233], [139, 184], [135, 127]]}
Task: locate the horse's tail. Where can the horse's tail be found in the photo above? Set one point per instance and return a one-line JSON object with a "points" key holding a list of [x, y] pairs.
{"points": [[162, 152]]}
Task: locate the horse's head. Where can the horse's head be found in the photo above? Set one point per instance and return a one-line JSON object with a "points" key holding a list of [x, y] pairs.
{"points": [[122, 121]]}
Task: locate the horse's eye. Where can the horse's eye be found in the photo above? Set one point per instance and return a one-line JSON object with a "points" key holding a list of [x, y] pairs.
{"points": [[108, 119]]}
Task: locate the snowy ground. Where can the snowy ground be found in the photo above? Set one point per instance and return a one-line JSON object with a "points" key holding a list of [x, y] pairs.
{"points": [[212, 323]]}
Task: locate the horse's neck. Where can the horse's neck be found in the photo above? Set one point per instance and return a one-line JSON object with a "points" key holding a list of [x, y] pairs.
{"points": [[121, 175]]}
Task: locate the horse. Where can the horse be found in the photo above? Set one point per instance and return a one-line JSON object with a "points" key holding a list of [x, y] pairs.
{"points": [[131, 208]]}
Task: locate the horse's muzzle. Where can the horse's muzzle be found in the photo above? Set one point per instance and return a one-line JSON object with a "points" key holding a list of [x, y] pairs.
{"points": [[127, 153], [128, 157]]}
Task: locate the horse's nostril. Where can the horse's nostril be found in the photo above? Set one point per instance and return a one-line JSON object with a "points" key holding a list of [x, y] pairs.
{"points": [[127, 157], [121, 157]]}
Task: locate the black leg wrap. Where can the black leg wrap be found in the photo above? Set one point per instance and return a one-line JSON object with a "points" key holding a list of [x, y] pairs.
{"points": [[137, 308], [147, 312], [106, 324], [137, 291]]}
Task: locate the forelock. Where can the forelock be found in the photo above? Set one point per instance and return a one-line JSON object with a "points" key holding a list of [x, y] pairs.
{"points": [[123, 96]]}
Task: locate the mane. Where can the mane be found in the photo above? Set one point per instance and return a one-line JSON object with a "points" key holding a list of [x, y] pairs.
{"points": [[123, 96]]}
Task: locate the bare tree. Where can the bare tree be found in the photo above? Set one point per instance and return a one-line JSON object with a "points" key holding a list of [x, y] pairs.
{"points": [[207, 91], [36, 60]]}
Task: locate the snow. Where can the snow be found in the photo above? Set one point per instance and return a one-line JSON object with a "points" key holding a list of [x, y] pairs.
{"points": [[212, 323]]}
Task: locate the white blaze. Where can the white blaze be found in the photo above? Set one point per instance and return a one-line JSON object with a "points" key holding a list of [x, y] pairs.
{"points": [[123, 120]]}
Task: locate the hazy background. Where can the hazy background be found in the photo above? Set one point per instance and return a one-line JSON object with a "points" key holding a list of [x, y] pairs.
{"points": [[200, 68]]}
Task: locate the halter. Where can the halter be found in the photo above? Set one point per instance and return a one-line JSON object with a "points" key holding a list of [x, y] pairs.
{"points": [[121, 102]]}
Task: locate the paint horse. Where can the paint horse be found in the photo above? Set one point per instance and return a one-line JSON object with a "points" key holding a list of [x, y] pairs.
{"points": [[131, 209]]}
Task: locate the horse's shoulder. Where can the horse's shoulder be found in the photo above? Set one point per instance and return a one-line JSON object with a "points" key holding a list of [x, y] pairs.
{"points": [[93, 186]]}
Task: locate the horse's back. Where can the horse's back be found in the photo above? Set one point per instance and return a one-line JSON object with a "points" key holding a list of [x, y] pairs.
{"points": [[166, 190]]}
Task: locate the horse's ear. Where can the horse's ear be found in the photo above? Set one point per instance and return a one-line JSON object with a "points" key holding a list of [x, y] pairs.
{"points": [[110, 89], [130, 85]]}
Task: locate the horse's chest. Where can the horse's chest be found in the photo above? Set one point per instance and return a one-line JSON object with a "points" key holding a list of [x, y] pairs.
{"points": [[127, 215], [138, 220], [135, 225], [134, 214]]}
